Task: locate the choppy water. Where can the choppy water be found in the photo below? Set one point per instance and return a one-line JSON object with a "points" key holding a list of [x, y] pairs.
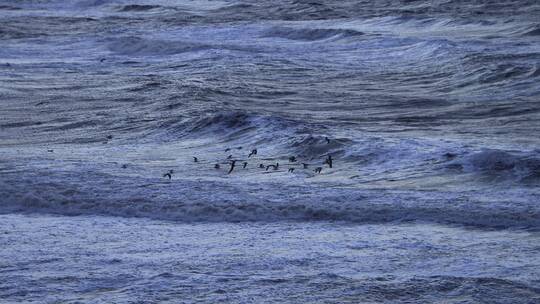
{"points": [[431, 110]]}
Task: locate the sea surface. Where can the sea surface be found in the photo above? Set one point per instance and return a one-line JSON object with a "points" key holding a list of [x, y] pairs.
{"points": [[429, 109]]}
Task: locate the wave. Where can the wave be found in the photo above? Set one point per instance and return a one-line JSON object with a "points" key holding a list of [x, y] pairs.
{"points": [[16, 32], [316, 146], [9, 8], [533, 32], [310, 34], [308, 141], [232, 125], [137, 46], [213, 201], [138, 8], [523, 167]]}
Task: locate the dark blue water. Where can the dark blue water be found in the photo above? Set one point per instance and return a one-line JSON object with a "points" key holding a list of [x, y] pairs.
{"points": [[429, 110]]}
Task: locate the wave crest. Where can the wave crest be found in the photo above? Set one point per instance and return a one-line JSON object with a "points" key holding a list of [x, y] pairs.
{"points": [[310, 34]]}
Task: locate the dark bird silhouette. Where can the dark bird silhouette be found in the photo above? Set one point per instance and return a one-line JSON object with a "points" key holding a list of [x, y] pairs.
{"points": [[102, 59], [253, 152], [233, 163], [109, 137], [245, 165], [124, 166], [195, 160], [327, 140], [305, 165], [228, 149], [229, 157], [275, 167], [328, 161], [239, 148], [168, 174], [318, 170], [291, 170], [50, 150], [261, 166], [216, 166], [292, 159]]}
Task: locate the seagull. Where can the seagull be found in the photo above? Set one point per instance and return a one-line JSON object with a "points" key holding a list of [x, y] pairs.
{"points": [[195, 160], [253, 152], [318, 170]]}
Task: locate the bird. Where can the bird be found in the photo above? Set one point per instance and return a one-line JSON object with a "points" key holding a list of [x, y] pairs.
{"points": [[275, 167], [253, 152], [328, 161], [327, 140], [261, 166], [229, 157], [124, 166], [305, 165], [318, 170], [109, 137], [291, 170], [292, 159], [216, 166], [195, 160], [168, 174], [245, 165], [233, 163], [228, 149]]}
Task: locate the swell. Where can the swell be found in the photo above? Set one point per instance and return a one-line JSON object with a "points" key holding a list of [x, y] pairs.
{"points": [[138, 8], [523, 167], [210, 201], [310, 34], [138, 46], [309, 140]]}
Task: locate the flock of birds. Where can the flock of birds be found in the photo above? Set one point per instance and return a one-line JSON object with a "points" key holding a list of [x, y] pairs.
{"points": [[233, 163]]}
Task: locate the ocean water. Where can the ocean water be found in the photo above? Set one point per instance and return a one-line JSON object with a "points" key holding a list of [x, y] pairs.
{"points": [[430, 111]]}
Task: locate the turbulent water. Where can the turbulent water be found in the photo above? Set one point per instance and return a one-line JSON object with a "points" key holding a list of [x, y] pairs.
{"points": [[429, 109]]}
